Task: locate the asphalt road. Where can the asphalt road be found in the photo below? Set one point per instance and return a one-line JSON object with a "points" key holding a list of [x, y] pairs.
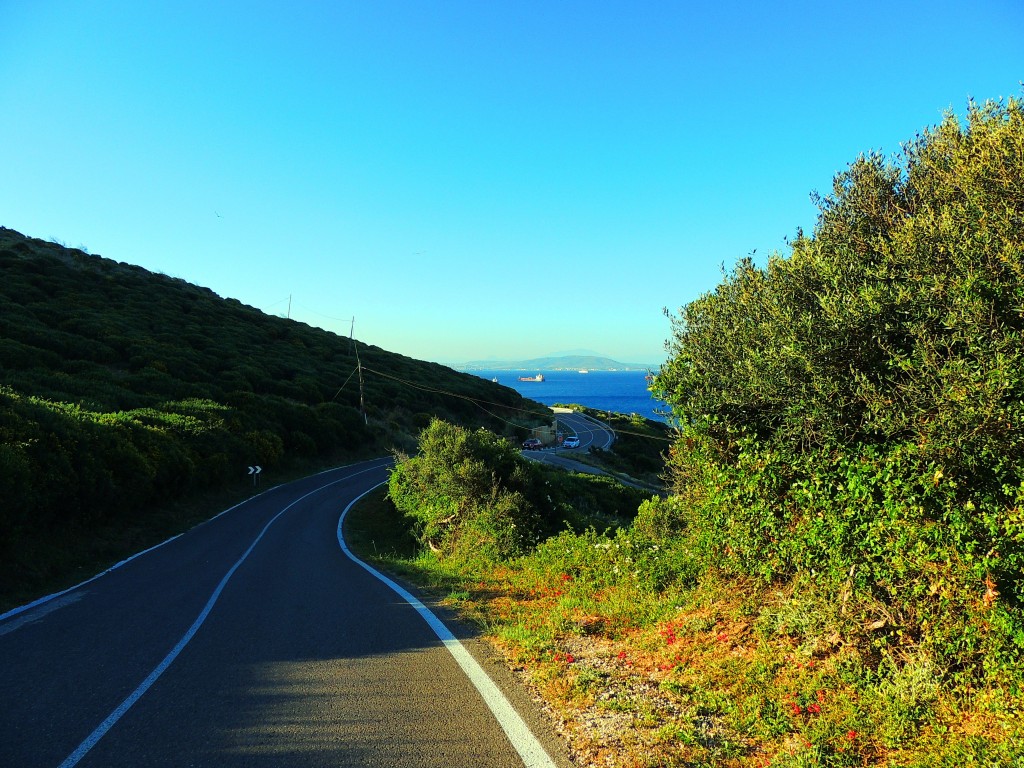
{"points": [[254, 640], [590, 431]]}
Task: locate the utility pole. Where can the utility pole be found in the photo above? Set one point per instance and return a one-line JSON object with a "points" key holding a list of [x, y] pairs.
{"points": [[351, 332], [362, 402], [289, 306]]}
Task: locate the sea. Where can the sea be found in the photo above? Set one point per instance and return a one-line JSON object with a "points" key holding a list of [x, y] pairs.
{"points": [[618, 391]]}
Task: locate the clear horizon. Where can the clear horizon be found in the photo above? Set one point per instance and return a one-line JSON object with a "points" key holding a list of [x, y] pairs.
{"points": [[554, 356], [467, 179]]}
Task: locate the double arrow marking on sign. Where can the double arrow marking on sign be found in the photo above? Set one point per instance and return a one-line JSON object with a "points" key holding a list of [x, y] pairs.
{"points": [[255, 470]]}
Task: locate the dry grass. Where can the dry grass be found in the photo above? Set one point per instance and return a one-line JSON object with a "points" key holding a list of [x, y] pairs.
{"points": [[726, 674]]}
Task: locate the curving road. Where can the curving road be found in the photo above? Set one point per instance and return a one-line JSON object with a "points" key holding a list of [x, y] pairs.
{"points": [[591, 432], [254, 640]]}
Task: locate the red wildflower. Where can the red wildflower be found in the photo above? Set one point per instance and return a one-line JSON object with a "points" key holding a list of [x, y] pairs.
{"points": [[851, 735], [795, 707], [814, 709]]}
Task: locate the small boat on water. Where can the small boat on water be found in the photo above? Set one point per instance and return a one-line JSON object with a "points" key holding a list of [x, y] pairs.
{"points": [[584, 370], [538, 377]]}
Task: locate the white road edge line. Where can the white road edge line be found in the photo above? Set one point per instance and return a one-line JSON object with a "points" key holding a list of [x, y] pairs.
{"points": [[115, 566], [145, 685], [518, 732], [47, 598]]}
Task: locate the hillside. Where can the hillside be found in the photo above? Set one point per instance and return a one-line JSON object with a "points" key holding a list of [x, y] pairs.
{"points": [[121, 390]]}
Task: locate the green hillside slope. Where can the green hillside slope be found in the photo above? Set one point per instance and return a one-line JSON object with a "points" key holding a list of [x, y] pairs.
{"points": [[121, 390]]}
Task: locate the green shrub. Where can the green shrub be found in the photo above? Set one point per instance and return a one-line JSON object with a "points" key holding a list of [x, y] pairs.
{"points": [[466, 493], [856, 411]]}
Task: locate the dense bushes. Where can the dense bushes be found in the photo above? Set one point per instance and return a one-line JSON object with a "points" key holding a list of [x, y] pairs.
{"points": [[856, 411], [471, 496], [467, 493], [67, 466], [121, 390], [837, 578]]}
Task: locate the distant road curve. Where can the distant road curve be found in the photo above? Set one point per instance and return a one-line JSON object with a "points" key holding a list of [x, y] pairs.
{"points": [[256, 640], [591, 432]]}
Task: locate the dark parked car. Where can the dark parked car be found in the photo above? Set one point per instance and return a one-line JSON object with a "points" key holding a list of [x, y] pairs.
{"points": [[531, 444]]}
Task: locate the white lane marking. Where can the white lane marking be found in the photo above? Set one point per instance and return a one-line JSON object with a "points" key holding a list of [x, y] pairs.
{"points": [[518, 732], [145, 685], [47, 598], [40, 612], [608, 432]]}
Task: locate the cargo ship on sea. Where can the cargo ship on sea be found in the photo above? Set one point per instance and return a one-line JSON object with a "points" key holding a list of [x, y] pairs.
{"points": [[538, 377]]}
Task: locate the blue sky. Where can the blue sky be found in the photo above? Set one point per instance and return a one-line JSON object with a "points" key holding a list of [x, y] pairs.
{"points": [[467, 179]]}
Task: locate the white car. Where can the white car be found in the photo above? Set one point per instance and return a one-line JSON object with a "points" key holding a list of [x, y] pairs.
{"points": [[571, 442]]}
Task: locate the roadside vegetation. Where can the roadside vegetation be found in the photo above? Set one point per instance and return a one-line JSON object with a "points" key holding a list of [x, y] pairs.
{"points": [[638, 452], [836, 577], [132, 404], [470, 497]]}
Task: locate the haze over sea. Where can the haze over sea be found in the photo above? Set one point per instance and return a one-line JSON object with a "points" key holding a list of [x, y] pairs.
{"points": [[618, 391]]}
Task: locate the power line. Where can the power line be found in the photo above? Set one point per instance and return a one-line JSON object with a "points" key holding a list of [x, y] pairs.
{"points": [[346, 382], [479, 403], [362, 401], [321, 314], [476, 401]]}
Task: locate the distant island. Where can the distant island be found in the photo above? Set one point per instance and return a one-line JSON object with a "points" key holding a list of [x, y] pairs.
{"points": [[562, 363]]}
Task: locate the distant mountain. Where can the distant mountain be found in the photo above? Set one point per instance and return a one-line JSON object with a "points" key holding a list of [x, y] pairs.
{"points": [[575, 353], [561, 363]]}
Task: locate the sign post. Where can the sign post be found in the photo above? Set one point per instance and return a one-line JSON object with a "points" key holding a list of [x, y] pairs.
{"points": [[255, 472]]}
